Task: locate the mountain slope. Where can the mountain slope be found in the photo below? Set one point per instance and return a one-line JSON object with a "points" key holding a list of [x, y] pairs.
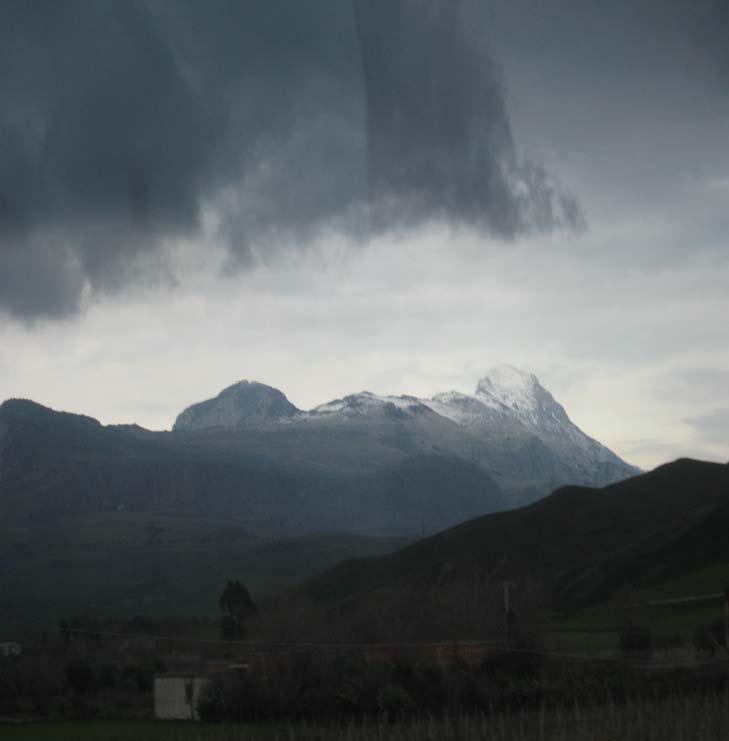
{"points": [[580, 544], [119, 519], [129, 563], [55, 464]]}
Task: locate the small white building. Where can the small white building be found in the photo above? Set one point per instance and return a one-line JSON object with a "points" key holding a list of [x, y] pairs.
{"points": [[10, 648], [176, 695]]}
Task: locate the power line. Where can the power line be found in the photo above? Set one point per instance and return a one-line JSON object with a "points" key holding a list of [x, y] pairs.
{"points": [[679, 600], [259, 647]]}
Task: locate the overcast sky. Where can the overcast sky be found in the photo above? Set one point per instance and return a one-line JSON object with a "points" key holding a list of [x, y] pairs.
{"points": [[394, 196]]}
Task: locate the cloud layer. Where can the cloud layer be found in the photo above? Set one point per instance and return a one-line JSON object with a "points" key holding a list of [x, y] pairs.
{"points": [[123, 123]]}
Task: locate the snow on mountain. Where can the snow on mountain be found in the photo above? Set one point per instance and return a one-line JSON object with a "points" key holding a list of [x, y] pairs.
{"points": [[503, 393], [510, 411], [509, 387], [514, 393], [511, 426], [366, 402], [507, 394], [463, 409]]}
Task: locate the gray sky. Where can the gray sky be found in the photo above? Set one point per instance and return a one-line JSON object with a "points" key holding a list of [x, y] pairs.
{"points": [[395, 196]]}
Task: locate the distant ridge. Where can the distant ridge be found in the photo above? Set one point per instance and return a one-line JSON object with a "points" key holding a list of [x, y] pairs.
{"points": [[511, 426]]}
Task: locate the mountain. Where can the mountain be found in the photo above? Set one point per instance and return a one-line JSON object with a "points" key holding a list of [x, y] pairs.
{"points": [[364, 463], [120, 520], [577, 547], [274, 480], [249, 486], [246, 402], [511, 427]]}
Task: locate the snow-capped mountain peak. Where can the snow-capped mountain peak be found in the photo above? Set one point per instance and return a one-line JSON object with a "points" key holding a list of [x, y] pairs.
{"points": [[524, 397], [508, 381], [508, 386]]}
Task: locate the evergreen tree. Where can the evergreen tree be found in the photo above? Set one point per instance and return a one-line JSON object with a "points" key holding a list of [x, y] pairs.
{"points": [[237, 607]]}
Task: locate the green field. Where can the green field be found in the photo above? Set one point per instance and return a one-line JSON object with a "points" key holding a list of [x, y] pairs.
{"points": [[596, 630], [674, 719], [135, 731]]}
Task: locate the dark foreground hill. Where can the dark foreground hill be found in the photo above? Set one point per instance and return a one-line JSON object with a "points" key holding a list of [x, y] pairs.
{"points": [[576, 547]]}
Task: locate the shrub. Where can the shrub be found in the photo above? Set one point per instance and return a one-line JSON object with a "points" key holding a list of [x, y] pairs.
{"points": [[80, 676], [513, 664], [432, 689], [708, 638], [394, 702], [109, 676], [212, 706], [635, 638], [140, 677], [10, 691], [667, 641]]}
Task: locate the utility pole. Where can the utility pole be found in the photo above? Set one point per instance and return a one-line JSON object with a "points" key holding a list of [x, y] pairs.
{"points": [[508, 614], [726, 619]]}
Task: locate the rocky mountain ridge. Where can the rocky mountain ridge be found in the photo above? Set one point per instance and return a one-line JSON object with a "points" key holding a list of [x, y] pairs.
{"points": [[511, 426]]}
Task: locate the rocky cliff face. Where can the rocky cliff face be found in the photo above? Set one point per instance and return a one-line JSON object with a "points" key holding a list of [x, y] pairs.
{"points": [[243, 403]]}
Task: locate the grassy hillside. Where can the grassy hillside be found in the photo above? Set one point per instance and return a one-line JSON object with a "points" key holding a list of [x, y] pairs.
{"points": [[672, 610], [575, 548]]}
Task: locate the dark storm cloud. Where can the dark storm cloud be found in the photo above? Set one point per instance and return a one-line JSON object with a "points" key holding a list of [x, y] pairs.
{"points": [[120, 120], [102, 148], [439, 137]]}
